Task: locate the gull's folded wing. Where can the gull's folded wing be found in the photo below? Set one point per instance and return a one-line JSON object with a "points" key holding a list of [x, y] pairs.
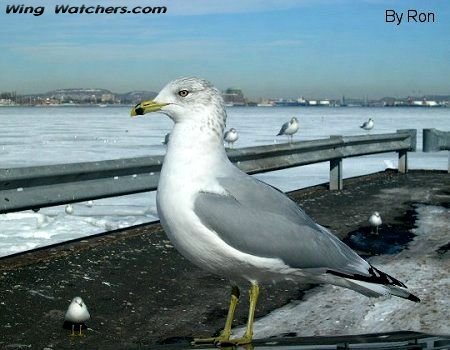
{"points": [[260, 220]]}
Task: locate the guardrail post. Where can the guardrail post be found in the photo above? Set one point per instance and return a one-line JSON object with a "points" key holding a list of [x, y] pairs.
{"points": [[435, 141], [336, 178], [336, 174], [430, 140], [403, 154], [403, 162]]}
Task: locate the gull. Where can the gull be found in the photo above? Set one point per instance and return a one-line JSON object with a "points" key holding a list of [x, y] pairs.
{"points": [[231, 137], [375, 221], [289, 128], [236, 226], [77, 314], [69, 209], [368, 125]]}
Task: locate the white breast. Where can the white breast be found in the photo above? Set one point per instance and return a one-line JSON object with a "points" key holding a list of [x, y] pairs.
{"points": [[182, 178]]}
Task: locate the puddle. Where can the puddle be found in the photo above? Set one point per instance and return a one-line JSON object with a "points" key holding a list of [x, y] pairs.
{"points": [[391, 239]]}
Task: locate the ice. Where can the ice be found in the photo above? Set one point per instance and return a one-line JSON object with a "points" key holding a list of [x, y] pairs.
{"points": [[55, 135], [330, 310]]}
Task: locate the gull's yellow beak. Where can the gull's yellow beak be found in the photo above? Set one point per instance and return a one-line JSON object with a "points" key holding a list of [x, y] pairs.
{"points": [[146, 107]]}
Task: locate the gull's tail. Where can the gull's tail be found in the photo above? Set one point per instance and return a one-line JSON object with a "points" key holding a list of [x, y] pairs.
{"points": [[376, 284]]}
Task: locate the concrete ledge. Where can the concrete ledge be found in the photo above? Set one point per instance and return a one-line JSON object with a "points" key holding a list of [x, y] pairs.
{"points": [[141, 292]]}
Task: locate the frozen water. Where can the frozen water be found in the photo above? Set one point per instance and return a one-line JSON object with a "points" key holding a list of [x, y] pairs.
{"points": [[53, 135], [329, 310]]}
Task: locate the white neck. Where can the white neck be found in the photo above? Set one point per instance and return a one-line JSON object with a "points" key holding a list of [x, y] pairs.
{"points": [[193, 152]]}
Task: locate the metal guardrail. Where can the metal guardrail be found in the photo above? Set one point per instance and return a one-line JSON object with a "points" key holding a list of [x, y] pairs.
{"points": [[436, 140], [43, 186]]}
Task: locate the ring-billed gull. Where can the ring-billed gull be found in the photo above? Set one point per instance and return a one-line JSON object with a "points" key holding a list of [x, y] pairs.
{"points": [[69, 209], [231, 137], [234, 225], [375, 221], [289, 128], [368, 125], [77, 314]]}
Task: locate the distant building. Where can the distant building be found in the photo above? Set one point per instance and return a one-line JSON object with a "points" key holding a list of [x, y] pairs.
{"points": [[6, 102], [425, 103], [108, 98], [234, 97]]}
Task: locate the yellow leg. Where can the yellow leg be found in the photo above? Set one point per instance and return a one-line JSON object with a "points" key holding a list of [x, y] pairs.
{"points": [[79, 333], [248, 335], [226, 332]]}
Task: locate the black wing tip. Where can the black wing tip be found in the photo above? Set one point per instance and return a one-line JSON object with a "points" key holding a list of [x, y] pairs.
{"points": [[376, 276], [412, 297], [384, 278]]}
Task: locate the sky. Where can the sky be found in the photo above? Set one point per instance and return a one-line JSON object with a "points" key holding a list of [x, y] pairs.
{"points": [[268, 48]]}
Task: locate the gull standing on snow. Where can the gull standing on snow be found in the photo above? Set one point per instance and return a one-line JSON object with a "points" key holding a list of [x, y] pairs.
{"points": [[368, 125], [231, 137], [77, 314], [232, 224], [375, 221], [289, 128], [69, 209]]}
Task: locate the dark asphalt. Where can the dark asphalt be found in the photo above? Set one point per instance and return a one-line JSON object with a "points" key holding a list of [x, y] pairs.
{"points": [[141, 292]]}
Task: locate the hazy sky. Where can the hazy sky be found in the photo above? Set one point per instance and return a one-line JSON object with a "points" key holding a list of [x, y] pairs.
{"points": [[270, 48]]}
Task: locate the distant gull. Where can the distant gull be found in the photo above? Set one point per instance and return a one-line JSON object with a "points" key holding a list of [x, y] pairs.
{"points": [[289, 128], [234, 225], [90, 204], [368, 125], [77, 314], [375, 221], [41, 220], [231, 137], [69, 209]]}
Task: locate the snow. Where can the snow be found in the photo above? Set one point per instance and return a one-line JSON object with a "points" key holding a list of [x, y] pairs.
{"points": [[330, 310], [55, 135]]}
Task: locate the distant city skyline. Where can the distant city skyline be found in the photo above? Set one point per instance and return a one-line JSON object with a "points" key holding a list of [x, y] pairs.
{"points": [[266, 48]]}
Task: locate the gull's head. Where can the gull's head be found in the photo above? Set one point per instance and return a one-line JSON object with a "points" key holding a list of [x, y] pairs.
{"points": [[78, 301], [187, 99], [377, 214], [294, 120]]}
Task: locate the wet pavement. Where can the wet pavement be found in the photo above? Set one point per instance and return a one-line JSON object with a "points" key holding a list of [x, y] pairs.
{"points": [[140, 292]]}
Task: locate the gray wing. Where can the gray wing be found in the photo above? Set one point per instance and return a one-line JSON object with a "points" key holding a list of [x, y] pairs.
{"points": [[260, 220], [364, 125], [283, 128], [226, 135]]}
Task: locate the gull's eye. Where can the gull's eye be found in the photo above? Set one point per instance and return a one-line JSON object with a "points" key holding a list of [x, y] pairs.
{"points": [[183, 93]]}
